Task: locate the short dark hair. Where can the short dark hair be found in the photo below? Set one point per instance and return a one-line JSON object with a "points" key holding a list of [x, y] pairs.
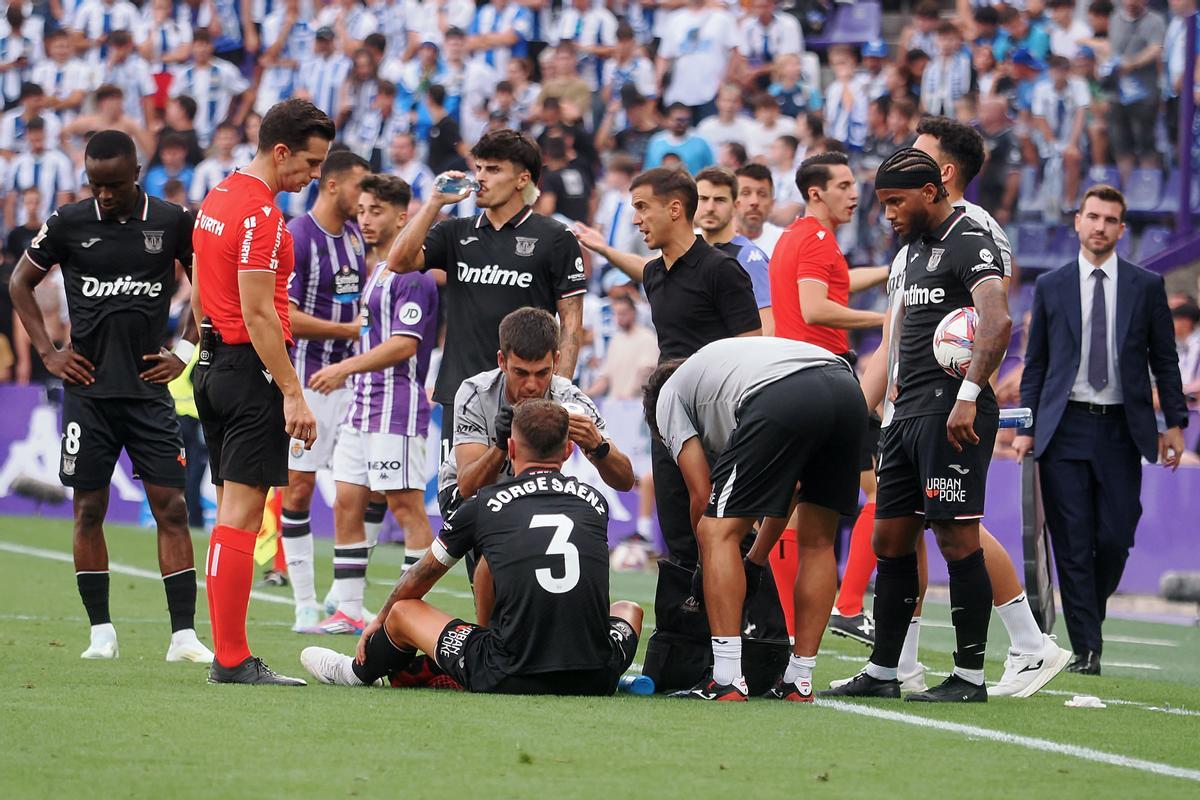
{"points": [[757, 172], [961, 143], [108, 90], [929, 9], [120, 38], [173, 186], [385, 87], [340, 162], [1101, 8], [188, 104], [765, 100], [651, 390], [791, 142], [1109, 194], [554, 147], [388, 188], [738, 151], [668, 183], [110, 144], [543, 426], [677, 107], [437, 95], [172, 140], [228, 126], [815, 172], [509, 145], [376, 41], [948, 28], [292, 123], [987, 15], [529, 333], [201, 34], [1187, 310], [719, 176], [35, 124]]}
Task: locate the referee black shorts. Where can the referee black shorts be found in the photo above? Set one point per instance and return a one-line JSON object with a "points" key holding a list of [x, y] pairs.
{"points": [[96, 429], [806, 428], [241, 409], [463, 653], [870, 443]]}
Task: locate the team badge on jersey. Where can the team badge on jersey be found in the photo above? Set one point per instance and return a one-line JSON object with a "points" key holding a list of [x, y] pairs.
{"points": [[154, 241], [525, 245], [935, 258], [68, 465]]}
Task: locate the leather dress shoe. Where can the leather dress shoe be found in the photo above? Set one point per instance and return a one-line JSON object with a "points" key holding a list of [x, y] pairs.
{"points": [[1087, 663]]}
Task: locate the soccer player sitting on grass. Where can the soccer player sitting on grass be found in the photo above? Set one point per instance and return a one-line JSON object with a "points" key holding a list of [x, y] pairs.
{"points": [[546, 536]]}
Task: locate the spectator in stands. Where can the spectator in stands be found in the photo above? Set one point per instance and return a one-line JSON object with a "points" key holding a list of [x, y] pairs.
{"points": [[566, 188], [216, 85], [1173, 61], [568, 85], [788, 87], [94, 23], [174, 165], [753, 206], [525, 91], [18, 50], [126, 69], [358, 92], [1059, 114], [501, 29], [444, 146], [809, 128], [1000, 178], [631, 356], [43, 168], [949, 76], [768, 126], [732, 156], [627, 66], [320, 77], [406, 165], [351, 22], [1066, 31], [1136, 37], [781, 159], [214, 169], [988, 32], [921, 34], [109, 115], [765, 35], [697, 44], [377, 125], [983, 60], [1025, 34], [31, 105], [730, 123], [1186, 318], [614, 215], [1099, 15], [64, 78], [164, 41], [680, 139], [592, 29], [875, 64], [289, 44], [179, 117], [175, 192], [846, 98]]}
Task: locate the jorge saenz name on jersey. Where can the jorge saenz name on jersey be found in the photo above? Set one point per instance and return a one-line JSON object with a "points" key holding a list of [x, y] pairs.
{"points": [[545, 483]]}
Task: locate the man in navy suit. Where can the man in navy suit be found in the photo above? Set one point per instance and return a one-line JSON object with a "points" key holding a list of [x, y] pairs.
{"points": [[1101, 327]]}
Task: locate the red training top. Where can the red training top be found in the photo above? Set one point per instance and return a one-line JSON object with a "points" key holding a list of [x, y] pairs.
{"points": [[240, 229], [808, 251]]}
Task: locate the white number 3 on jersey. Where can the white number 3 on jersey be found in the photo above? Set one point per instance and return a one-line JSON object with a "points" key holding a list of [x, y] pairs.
{"points": [[559, 546]]}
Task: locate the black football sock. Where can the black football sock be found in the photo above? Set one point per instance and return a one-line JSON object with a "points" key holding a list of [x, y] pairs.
{"points": [[383, 658], [970, 609], [181, 598], [93, 590], [897, 589]]}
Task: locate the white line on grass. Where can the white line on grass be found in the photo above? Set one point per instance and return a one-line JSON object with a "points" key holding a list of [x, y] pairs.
{"points": [[1029, 742], [1136, 640], [138, 572]]}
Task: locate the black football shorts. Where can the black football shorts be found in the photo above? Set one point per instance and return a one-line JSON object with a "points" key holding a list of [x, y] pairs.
{"points": [[95, 430], [806, 428], [460, 652], [241, 409], [921, 473]]}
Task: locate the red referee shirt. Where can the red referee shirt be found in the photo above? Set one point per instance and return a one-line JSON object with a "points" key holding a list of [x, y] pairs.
{"points": [[240, 229], [808, 251]]}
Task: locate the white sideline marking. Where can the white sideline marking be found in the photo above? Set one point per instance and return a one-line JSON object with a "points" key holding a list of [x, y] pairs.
{"points": [[128, 620], [1030, 742], [138, 572], [1133, 665], [1147, 642]]}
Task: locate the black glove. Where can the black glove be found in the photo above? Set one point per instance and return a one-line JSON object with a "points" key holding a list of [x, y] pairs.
{"points": [[503, 427]]}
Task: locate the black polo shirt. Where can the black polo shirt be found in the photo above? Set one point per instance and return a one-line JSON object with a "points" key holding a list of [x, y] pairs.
{"points": [[120, 277], [532, 260], [703, 297]]}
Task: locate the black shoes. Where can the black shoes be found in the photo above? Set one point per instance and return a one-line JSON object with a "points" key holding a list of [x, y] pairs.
{"points": [[860, 628], [952, 690], [1087, 663], [863, 685], [252, 670]]}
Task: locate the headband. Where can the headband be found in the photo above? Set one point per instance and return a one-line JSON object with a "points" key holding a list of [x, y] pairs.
{"points": [[908, 179]]}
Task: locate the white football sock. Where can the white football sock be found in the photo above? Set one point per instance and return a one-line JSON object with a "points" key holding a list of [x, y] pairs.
{"points": [[1023, 632], [412, 555], [298, 550], [880, 673], [799, 668], [350, 595], [908, 653], [645, 528], [727, 658], [974, 676]]}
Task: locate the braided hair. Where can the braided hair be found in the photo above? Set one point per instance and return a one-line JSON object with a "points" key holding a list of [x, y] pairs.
{"points": [[910, 168]]}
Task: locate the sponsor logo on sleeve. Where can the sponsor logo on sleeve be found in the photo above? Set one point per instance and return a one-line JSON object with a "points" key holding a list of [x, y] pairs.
{"points": [[411, 313], [986, 255]]}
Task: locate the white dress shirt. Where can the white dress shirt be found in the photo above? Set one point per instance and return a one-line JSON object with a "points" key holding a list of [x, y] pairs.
{"points": [[1082, 391]]}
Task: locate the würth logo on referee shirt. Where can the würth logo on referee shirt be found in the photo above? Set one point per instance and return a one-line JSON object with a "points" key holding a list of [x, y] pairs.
{"points": [[492, 275]]}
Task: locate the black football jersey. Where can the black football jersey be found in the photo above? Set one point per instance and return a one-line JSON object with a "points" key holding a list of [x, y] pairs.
{"points": [[120, 277], [545, 537], [531, 261], [944, 266]]}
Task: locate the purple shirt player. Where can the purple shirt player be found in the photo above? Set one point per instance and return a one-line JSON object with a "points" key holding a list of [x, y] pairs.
{"points": [[327, 282], [393, 400]]}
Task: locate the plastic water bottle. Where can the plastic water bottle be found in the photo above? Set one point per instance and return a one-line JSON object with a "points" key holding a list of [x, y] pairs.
{"points": [[636, 684], [1016, 417], [446, 184]]}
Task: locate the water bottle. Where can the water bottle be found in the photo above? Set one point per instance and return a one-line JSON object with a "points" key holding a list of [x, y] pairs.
{"points": [[446, 184], [636, 684], [1016, 417]]}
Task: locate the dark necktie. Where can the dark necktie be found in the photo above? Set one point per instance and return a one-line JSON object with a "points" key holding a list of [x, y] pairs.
{"points": [[1098, 354]]}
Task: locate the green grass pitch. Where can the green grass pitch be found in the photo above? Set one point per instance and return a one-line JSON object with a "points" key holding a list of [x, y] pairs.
{"points": [[139, 727]]}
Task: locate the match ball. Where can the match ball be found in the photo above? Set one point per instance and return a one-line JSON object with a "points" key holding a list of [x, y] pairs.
{"points": [[954, 340], [628, 557]]}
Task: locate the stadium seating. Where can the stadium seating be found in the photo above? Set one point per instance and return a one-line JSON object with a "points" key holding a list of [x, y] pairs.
{"points": [[1153, 241], [1144, 192], [854, 23]]}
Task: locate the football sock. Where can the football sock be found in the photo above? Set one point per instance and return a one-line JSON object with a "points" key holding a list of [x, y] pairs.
{"points": [[880, 673], [229, 570], [1024, 635], [412, 555], [350, 577], [727, 658], [897, 589], [645, 528], [970, 609], [860, 564], [298, 550], [93, 591], [908, 654], [382, 658], [181, 598], [373, 522], [799, 668]]}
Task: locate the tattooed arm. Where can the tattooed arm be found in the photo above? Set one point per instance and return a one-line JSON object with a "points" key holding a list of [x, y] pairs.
{"points": [[991, 342]]}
